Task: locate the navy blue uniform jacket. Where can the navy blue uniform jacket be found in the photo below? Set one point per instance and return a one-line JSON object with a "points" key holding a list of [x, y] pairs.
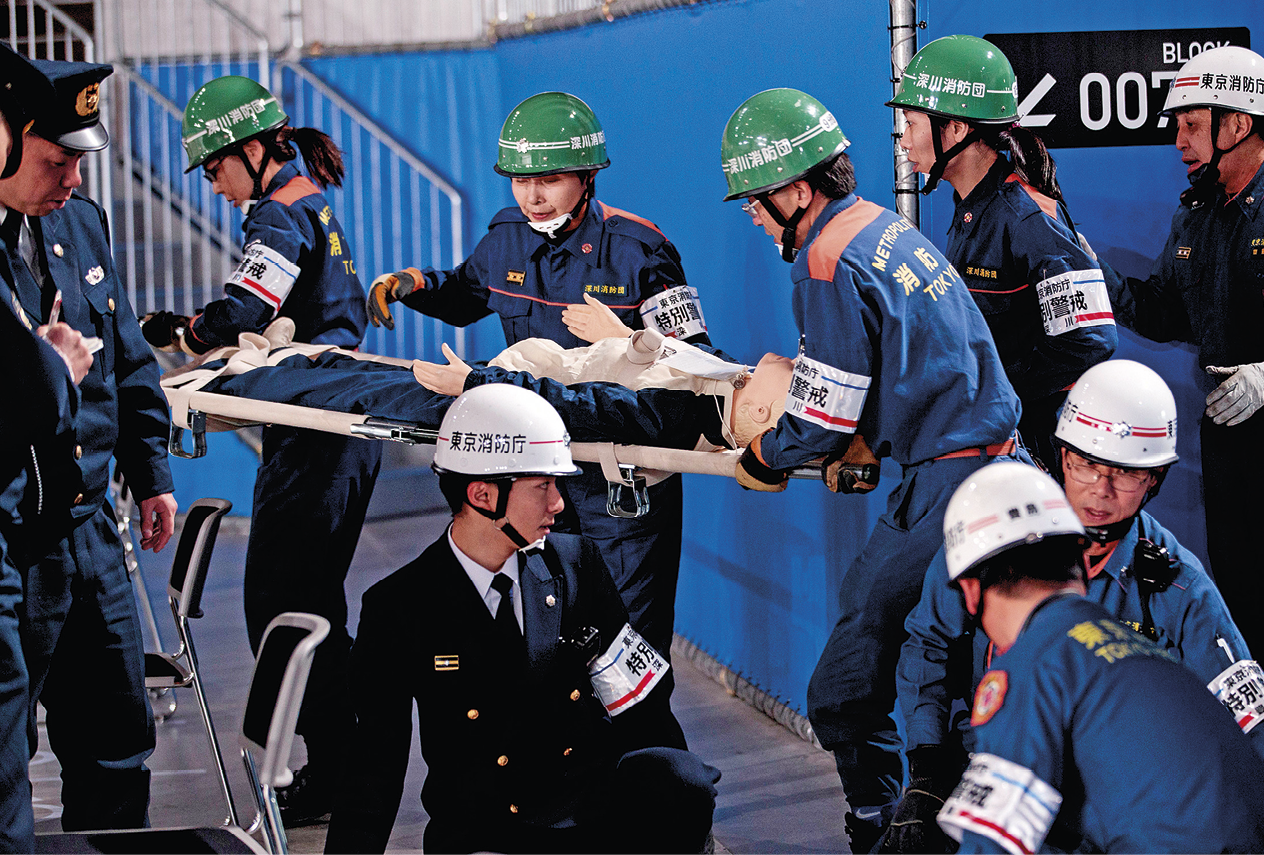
{"points": [[124, 412], [501, 745]]}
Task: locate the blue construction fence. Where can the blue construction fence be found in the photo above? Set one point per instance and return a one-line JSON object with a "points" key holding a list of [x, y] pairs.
{"points": [[760, 574]]}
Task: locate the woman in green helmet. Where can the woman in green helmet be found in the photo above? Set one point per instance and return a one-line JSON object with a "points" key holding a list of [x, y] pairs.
{"points": [[1011, 236], [312, 490], [542, 267]]}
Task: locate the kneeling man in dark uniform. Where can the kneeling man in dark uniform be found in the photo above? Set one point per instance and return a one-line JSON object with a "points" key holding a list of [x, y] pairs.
{"points": [[541, 721]]}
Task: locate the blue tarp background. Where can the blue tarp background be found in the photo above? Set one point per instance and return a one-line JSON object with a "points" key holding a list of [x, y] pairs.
{"points": [[760, 575]]}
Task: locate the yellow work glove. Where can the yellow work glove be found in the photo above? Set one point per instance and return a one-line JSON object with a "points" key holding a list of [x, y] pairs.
{"points": [[391, 288]]}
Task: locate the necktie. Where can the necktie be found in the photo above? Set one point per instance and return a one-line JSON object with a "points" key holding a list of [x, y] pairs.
{"points": [[11, 227], [506, 622], [21, 280]]}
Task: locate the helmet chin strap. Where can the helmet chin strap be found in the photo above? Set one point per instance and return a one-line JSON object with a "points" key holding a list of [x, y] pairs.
{"points": [[1205, 181], [256, 175], [554, 227], [789, 225], [942, 158], [502, 523], [1109, 533]]}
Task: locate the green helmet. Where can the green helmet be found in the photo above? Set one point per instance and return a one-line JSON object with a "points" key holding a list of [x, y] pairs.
{"points": [[775, 138], [224, 112], [549, 133], [960, 77]]}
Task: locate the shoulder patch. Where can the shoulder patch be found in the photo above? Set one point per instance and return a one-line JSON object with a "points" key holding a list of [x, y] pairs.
{"points": [[298, 187], [837, 235], [608, 212], [989, 697]]}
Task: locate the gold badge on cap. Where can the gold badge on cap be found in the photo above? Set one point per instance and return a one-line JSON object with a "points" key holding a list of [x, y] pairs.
{"points": [[88, 100]]}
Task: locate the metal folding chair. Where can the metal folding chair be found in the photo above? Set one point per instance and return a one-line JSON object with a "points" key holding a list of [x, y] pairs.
{"points": [[179, 670], [267, 735]]}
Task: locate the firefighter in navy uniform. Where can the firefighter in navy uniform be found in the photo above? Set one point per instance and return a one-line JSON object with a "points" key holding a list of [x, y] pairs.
{"points": [[1011, 236], [312, 489], [894, 350], [538, 266], [1090, 737], [1117, 439], [1205, 288], [540, 707], [81, 631]]}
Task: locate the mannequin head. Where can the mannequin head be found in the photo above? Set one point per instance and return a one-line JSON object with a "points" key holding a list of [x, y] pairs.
{"points": [[760, 402]]}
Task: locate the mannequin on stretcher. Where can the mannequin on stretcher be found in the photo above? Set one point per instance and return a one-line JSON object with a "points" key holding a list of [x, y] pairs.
{"points": [[643, 390]]}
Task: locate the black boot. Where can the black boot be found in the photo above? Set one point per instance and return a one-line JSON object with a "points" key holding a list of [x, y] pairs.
{"points": [[308, 798], [863, 834]]}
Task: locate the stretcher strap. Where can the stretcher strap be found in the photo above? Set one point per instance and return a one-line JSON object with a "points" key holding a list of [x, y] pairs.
{"points": [[610, 466]]}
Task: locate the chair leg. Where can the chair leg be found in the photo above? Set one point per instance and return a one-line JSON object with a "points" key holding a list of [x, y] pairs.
{"points": [[162, 701], [215, 752], [268, 815]]}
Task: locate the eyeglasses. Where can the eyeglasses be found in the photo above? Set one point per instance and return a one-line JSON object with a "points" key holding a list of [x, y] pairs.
{"points": [[750, 209], [1121, 480], [210, 171]]}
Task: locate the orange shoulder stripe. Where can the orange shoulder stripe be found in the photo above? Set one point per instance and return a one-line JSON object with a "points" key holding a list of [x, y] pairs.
{"points": [[1049, 206], [297, 188], [837, 235], [607, 212]]}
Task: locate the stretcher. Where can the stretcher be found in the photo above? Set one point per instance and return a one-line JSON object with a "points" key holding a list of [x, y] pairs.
{"points": [[629, 469]]}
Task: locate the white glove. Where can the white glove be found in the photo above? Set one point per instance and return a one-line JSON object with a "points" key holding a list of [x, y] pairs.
{"points": [[1236, 399], [1084, 245]]}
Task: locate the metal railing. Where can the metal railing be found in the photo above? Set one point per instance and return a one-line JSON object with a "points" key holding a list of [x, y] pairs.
{"points": [[398, 211], [175, 242]]}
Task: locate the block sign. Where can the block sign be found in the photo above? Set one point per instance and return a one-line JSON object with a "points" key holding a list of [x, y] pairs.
{"points": [[1105, 88]]}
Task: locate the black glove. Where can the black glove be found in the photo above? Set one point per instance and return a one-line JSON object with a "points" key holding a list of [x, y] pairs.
{"points": [[914, 827], [163, 329], [753, 474]]}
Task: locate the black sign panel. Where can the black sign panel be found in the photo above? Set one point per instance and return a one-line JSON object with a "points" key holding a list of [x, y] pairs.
{"points": [[1104, 88]]}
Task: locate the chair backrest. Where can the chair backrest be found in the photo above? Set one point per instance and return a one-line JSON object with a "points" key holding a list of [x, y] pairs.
{"points": [[193, 554], [276, 692]]}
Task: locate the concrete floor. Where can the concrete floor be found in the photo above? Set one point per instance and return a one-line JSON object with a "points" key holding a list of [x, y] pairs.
{"points": [[778, 793]]}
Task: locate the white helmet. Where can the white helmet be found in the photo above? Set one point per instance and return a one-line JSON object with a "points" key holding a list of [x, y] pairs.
{"points": [[1120, 413], [1215, 78], [501, 431], [1001, 506]]}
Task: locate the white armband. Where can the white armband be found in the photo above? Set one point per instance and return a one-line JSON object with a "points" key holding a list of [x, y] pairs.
{"points": [[1001, 801], [825, 395], [627, 671], [1240, 687], [676, 312], [1074, 300], [265, 273]]}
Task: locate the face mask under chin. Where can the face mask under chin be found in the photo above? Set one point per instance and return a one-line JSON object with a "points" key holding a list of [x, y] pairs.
{"points": [[551, 228]]}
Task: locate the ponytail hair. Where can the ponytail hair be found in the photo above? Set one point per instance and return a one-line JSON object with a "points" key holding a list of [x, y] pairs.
{"points": [[1028, 155], [321, 155]]}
